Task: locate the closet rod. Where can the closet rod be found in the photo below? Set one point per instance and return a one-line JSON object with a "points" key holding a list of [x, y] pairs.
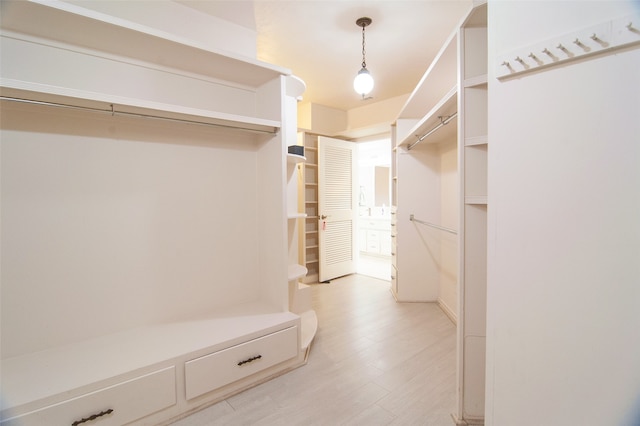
{"points": [[433, 225], [112, 111], [443, 122]]}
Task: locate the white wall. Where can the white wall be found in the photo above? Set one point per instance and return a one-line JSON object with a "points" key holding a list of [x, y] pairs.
{"points": [[418, 251], [321, 119], [563, 298], [111, 223], [449, 201]]}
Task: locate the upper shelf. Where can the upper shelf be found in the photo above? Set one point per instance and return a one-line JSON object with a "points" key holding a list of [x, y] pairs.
{"points": [[436, 82], [85, 59], [67, 23], [437, 125], [433, 103], [116, 105]]}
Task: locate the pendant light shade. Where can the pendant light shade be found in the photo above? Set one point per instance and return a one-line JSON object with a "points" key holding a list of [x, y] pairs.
{"points": [[363, 83]]}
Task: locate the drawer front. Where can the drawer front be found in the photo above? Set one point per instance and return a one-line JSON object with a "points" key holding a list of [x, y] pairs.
{"points": [[113, 406], [381, 225], [220, 368]]}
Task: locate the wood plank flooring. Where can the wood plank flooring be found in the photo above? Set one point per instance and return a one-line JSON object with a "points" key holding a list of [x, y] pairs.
{"points": [[373, 362]]}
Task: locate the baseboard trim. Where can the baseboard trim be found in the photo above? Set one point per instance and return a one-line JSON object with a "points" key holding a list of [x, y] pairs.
{"points": [[452, 316], [478, 421]]}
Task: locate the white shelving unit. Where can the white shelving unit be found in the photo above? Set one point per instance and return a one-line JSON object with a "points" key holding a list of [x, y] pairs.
{"points": [[152, 248], [440, 178], [474, 201], [299, 293], [424, 177], [308, 202]]}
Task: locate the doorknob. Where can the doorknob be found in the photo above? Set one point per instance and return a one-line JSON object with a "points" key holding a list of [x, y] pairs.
{"points": [[323, 217]]}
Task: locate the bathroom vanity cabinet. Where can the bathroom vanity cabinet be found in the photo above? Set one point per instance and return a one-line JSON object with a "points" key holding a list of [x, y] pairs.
{"points": [[375, 235]]}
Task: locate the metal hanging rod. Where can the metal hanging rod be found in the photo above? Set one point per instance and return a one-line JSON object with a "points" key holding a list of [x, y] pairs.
{"points": [[113, 112], [443, 122], [433, 225]]}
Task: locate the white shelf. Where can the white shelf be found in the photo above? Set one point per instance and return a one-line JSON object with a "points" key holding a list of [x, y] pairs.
{"points": [[480, 80], [296, 215], [445, 107], [118, 36], [125, 52], [435, 82], [296, 271], [475, 199], [118, 105], [476, 140], [295, 158]]}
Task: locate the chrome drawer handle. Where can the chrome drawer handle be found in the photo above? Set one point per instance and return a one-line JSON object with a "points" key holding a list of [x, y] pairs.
{"points": [[92, 417], [253, 358]]}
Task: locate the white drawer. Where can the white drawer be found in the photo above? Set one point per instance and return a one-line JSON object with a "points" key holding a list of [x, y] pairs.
{"points": [[220, 368], [113, 406], [382, 225]]}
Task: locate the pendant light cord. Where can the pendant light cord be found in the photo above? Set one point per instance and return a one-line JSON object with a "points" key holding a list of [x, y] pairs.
{"points": [[364, 63]]}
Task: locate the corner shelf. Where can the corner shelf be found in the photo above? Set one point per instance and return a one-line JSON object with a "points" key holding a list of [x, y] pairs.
{"points": [[295, 158], [296, 271]]}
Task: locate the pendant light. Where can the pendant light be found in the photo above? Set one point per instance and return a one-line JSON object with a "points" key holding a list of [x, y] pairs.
{"points": [[363, 83]]}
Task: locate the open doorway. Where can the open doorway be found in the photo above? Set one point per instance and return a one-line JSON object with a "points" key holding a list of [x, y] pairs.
{"points": [[374, 206]]}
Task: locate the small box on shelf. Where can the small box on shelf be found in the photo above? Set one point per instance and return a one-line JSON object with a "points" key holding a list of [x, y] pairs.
{"points": [[296, 150]]}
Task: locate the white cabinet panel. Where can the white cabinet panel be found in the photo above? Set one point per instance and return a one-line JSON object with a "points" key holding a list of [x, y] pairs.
{"points": [[220, 368], [111, 406]]}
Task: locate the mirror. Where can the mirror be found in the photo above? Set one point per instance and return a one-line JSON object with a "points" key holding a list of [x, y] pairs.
{"points": [[374, 176], [382, 193]]}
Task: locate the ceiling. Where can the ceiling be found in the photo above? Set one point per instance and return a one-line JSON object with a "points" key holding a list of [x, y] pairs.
{"points": [[321, 43]]}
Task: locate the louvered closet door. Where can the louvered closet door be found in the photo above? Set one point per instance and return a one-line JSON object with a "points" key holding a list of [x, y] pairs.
{"points": [[337, 207]]}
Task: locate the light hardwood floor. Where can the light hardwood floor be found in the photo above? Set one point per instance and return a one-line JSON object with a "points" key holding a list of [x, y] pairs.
{"points": [[373, 362]]}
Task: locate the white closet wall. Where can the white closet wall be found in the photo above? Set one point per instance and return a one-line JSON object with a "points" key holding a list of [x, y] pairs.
{"points": [[119, 223], [564, 235]]}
